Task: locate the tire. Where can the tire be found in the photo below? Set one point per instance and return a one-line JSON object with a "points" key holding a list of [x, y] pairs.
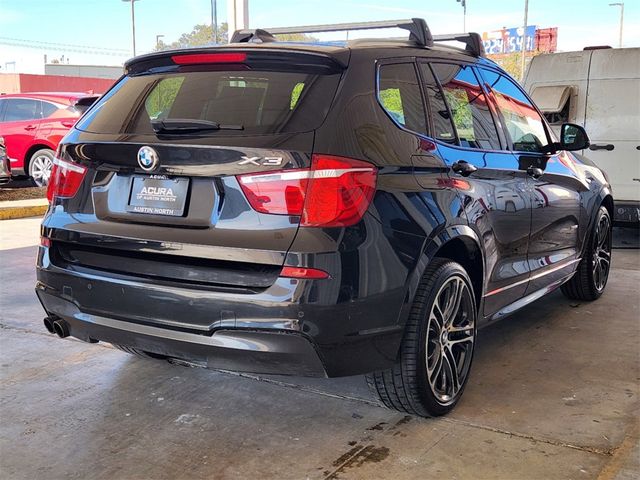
{"points": [[406, 386], [591, 276], [40, 165], [137, 352]]}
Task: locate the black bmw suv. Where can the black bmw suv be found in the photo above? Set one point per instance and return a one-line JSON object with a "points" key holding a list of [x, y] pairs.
{"points": [[318, 209]]}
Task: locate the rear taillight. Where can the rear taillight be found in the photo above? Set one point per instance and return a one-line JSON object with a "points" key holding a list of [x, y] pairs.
{"points": [[65, 180], [335, 192], [280, 193]]}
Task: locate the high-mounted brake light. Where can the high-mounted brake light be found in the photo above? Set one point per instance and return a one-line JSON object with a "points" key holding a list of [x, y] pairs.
{"points": [[202, 58], [65, 180], [335, 192]]}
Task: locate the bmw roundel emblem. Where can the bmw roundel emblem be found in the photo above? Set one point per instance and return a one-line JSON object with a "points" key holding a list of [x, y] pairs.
{"points": [[147, 158]]}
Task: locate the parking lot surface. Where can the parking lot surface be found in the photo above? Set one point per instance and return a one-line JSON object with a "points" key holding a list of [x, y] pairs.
{"points": [[553, 394]]}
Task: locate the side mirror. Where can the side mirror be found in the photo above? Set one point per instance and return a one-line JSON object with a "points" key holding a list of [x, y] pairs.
{"points": [[573, 137]]}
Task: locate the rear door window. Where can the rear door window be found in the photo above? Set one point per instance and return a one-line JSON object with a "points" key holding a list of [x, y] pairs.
{"points": [[468, 106], [439, 114], [261, 102], [399, 95], [521, 119], [48, 109]]}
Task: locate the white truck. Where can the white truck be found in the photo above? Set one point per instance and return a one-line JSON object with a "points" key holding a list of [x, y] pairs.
{"points": [[598, 88]]}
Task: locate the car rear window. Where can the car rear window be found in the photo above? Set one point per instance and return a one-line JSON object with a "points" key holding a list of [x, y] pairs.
{"points": [[262, 102]]}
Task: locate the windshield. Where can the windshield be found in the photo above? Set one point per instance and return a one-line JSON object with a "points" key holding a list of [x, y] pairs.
{"points": [[262, 102]]}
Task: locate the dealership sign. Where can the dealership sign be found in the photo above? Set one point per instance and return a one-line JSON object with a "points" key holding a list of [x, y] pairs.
{"points": [[509, 40]]}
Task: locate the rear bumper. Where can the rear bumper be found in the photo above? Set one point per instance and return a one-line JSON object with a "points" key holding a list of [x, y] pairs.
{"points": [[277, 331], [241, 350], [626, 212]]}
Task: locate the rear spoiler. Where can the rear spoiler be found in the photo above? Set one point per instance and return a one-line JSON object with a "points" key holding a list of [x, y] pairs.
{"points": [[235, 56], [419, 33], [86, 101]]}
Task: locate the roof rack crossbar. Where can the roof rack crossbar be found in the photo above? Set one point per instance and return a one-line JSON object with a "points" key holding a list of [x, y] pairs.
{"points": [[472, 41], [417, 27]]}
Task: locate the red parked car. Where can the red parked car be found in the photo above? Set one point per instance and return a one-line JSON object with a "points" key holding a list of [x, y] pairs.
{"points": [[33, 124]]}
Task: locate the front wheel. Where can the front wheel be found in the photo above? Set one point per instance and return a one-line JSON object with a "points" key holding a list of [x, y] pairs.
{"points": [[40, 166], [592, 273], [437, 348]]}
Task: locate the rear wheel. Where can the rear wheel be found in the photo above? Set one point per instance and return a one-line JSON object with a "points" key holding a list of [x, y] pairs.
{"points": [[592, 274], [138, 353], [40, 166], [437, 348]]}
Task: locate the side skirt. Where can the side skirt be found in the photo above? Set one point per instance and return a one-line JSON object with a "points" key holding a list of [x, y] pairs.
{"points": [[524, 301]]}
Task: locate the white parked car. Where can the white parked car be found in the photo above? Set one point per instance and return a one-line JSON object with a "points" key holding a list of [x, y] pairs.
{"points": [[598, 89]]}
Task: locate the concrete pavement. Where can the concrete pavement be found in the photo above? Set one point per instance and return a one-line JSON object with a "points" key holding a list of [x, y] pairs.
{"points": [[554, 394]]}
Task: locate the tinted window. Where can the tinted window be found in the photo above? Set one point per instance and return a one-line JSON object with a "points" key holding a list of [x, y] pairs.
{"points": [[439, 114], [399, 94], [522, 121], [262, 102], [19, 109], [48, 109], [468, 105]]}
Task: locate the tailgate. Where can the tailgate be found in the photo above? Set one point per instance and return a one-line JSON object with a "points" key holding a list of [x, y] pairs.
{"points": [[153, 196]]}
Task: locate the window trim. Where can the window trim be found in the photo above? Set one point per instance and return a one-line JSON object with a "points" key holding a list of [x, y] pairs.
{"points": [[495, 111], [428, 104], [396, 61]]}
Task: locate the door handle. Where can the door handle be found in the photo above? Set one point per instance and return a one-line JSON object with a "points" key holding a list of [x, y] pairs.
{"points": [[463, 168], [535, 172], [30, 127], [608, 147]]}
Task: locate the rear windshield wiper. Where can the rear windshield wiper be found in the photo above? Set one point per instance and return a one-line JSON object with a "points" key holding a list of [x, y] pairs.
{"points": [[178, 125]]}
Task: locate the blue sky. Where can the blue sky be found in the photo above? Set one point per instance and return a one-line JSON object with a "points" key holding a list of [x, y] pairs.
{"points": [[107, 24]]}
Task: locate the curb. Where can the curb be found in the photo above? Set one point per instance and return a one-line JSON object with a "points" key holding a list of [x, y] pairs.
{"points": [[22, 211]]}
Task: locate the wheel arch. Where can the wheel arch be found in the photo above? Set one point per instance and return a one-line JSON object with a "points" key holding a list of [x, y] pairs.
{"points": [[458, 243], [607, 201], [604, 198], [33, 149], [467, 252]]}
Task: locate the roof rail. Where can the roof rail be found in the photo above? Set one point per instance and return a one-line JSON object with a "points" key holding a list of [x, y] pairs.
{"points": [[417, 27], [473, 42]]}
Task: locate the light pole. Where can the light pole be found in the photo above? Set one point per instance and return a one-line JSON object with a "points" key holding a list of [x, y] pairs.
{"points": [[214, 19], [621, 5], [133, 24], [524, 39], [158, 37], [463, 3]]}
